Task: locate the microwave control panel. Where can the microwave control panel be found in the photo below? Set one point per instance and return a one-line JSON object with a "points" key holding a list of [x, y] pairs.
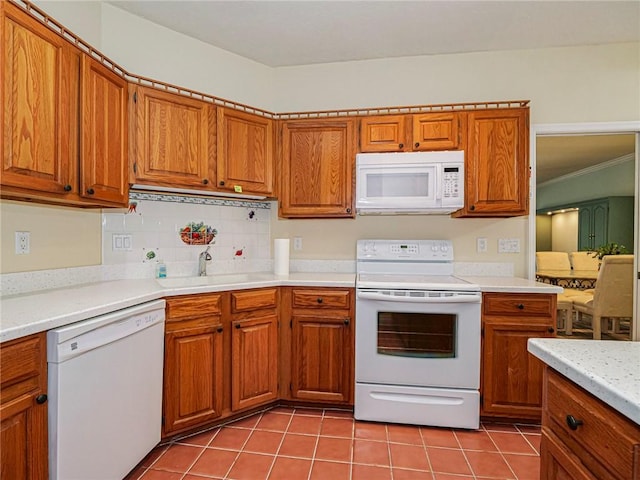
{"points": [[452, 178]]}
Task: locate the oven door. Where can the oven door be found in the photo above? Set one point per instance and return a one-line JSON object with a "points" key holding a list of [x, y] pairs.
{"points": [[418, 338]]}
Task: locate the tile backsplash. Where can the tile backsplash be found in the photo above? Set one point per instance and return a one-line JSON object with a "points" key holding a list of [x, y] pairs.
{"points": [[149, 231]]}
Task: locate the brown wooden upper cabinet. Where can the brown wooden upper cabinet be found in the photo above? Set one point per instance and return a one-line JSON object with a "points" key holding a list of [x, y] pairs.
{"points": [[245, 152], [173, 139], [497, 163], [65, 126], [317, 168], [415, 132]]}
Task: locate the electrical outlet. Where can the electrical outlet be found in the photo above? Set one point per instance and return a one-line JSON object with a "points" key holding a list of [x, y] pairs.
{"points": [[297, 243], [23, 243], [481, 245]]}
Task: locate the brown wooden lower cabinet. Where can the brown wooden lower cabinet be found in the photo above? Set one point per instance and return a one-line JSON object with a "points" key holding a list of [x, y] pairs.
{"points": [[23, 408], [511, 385], [254, 347], [582, 437], [319, 352], [193, 365]]}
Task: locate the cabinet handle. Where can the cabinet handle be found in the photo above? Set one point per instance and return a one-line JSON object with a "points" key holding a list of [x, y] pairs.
{"points": [[401, 145], [42, 398], [205, 181], [573, 422], [237, 325], [417, 144], [520, 306], [319, 299], [91, 191], [551, 329], [346, 321], [348, 210], [67, 188], [219, 329], [222, 183]]}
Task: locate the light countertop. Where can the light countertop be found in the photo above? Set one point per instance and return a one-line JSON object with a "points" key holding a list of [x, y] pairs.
{"points": [[511, 285], [36, 312], [609, 370]]}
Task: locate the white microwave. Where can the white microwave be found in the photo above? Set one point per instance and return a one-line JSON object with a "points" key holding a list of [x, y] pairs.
{"points": [[412, 182]]}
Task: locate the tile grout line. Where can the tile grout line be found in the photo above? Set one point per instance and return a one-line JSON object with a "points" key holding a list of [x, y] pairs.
{"points": [[315, 449], [515, 477], [275, 456], [426, 452], [226, 475], [473, 472]]}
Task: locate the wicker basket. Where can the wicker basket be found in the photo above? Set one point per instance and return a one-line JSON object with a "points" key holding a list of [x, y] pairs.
{"points": [[196, 238]]}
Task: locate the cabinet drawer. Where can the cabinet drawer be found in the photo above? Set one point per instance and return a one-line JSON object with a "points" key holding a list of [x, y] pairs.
{"points": [[514, 304], [605, 441], [193, 306], [253, 300], [321, 299], [22, 364]]}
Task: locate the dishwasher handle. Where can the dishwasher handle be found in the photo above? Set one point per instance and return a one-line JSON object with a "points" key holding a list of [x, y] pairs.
{"points": [[456, 297]]}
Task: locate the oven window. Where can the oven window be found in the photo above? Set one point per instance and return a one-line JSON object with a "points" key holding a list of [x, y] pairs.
{"points": [[426, 335]]}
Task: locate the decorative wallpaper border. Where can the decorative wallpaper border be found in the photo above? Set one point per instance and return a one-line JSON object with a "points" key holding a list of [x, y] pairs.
{"points": [[173, 198]]}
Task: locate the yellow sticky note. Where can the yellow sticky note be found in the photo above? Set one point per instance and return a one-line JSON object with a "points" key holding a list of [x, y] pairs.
{"points": [[237, 188]]}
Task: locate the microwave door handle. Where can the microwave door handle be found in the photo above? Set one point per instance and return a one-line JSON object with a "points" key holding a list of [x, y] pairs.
{"points": [[389, 298], [439, 183]]}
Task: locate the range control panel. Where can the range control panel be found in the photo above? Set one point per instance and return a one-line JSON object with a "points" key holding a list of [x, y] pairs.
{"points": [[403, 250]]}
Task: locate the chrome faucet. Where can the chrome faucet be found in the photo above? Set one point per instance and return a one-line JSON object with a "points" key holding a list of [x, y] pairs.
{"points": [[202, 262]]}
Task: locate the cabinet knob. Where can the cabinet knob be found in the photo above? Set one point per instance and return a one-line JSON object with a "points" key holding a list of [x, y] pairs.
{"points": [[222, 183], [573, 423], [42, 398], [91, 191], [219, 329], [205, 181], [346, 321], [417, 144], [520, 306], [401, 145], [348, 210], [472, 207], [67, 188], [319, 300], [551, 329], [237, 325]]}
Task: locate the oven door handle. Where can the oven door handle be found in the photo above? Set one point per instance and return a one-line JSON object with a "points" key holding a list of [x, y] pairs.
{"points": [[391, 298]]}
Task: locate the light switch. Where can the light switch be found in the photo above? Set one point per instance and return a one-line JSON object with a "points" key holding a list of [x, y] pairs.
{"points": [[509, 245]]}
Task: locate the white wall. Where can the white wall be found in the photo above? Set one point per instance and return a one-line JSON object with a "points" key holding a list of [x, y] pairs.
{"points": [[83, 18], [573, 84], [149, 50], [564, 232]]}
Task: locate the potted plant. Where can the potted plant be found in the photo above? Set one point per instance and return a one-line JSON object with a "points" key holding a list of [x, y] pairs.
{"points": [[611, 248]]}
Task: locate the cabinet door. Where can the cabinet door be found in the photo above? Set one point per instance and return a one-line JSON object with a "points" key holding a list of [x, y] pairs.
{"points": [[193, 377], [317, 171], [497, 165], [321, 352], [40, 104], [511, 376], [245, 152], [585, 228], [600, 224], [384, 133], [254, 364], [23, 409], [557, 462], [105, 130], [437, 131], [174, 139]]}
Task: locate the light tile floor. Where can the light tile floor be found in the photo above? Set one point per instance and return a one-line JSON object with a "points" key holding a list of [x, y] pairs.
{"points": [[307, 444]]}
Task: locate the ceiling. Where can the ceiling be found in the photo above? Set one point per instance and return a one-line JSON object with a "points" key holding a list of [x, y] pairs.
{"points": [[560, 155], [302, 32], [288, 33]]}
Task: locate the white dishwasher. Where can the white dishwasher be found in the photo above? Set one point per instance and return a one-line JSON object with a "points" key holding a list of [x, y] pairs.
{"points": [[105, 393]]}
